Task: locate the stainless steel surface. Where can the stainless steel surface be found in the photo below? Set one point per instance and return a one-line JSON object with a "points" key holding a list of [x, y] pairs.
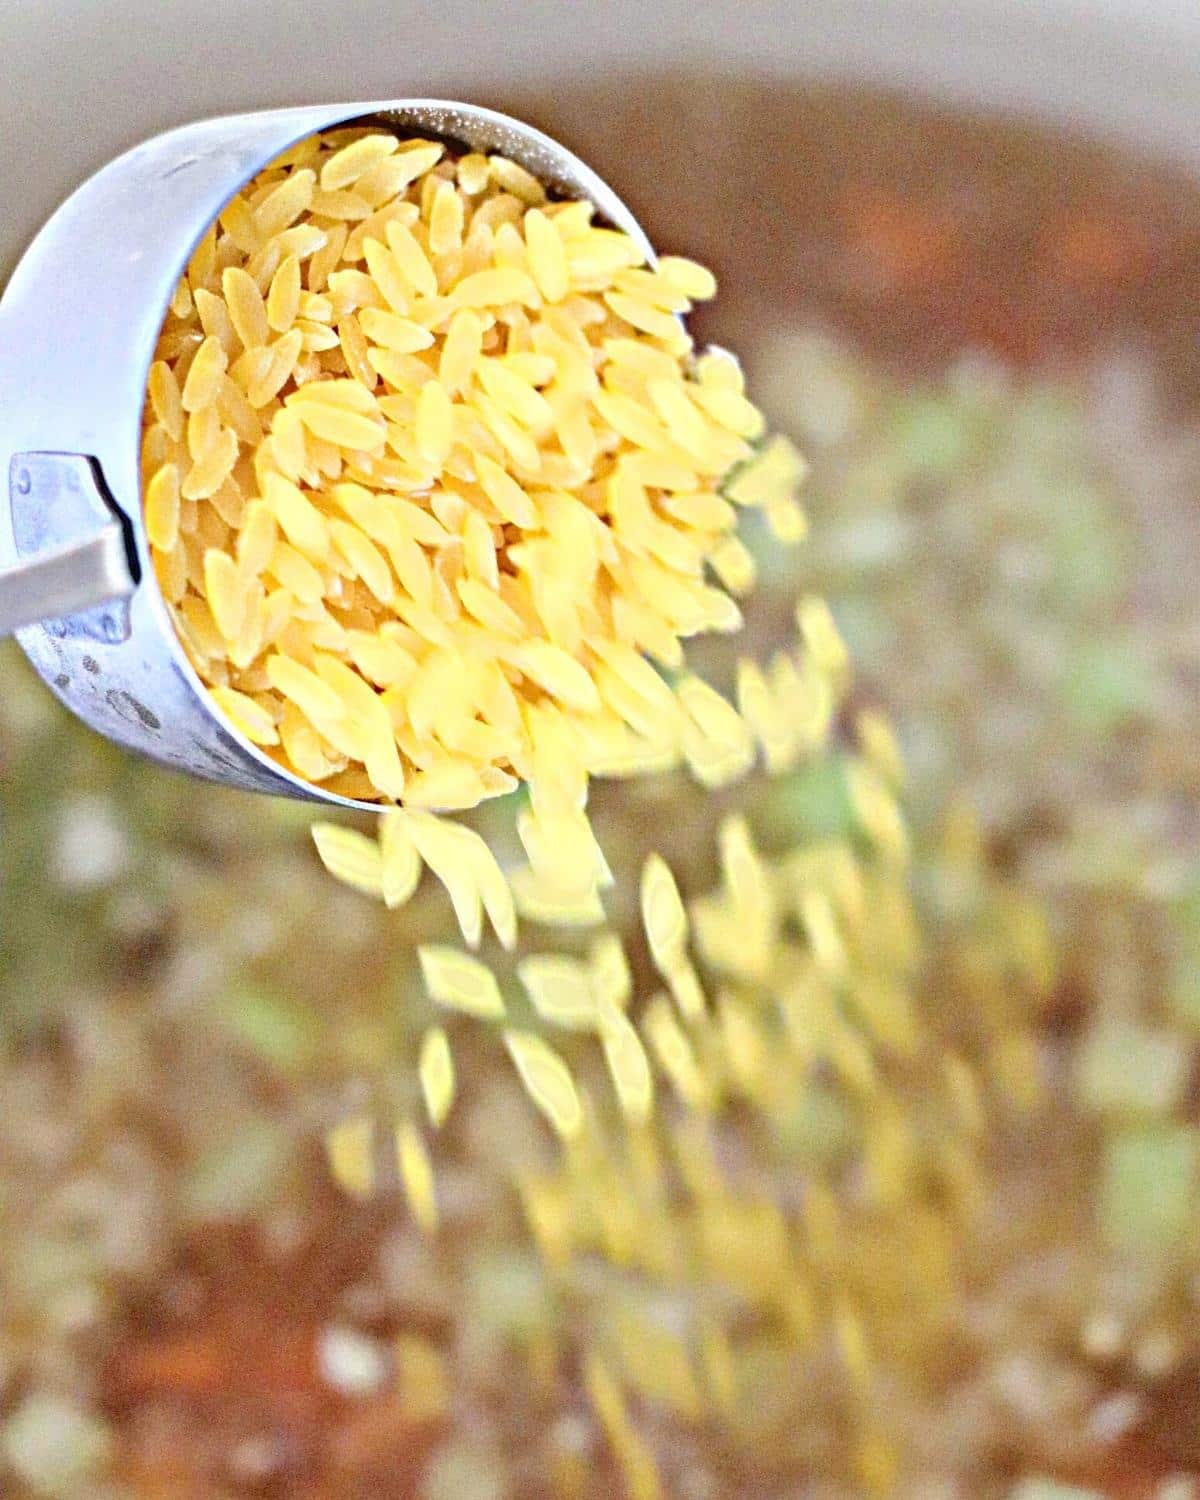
{"points": [[72, 545], [74, 578], [78, 325]]}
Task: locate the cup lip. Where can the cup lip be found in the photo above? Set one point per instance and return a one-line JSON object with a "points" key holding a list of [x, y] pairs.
{"points": [[330, 117]]}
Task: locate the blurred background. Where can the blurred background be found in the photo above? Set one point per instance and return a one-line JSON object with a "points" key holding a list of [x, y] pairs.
{"points": [[959, 248]]}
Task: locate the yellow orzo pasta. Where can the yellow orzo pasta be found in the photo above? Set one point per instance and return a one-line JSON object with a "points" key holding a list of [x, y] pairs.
{"points": [[435, 489]]}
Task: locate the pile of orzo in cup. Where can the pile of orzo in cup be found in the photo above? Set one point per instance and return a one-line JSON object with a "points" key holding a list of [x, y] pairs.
{"points": [[436, 487]]}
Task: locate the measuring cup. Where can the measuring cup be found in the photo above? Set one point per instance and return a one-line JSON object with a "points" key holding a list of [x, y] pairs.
{"points": [[78, 326]]}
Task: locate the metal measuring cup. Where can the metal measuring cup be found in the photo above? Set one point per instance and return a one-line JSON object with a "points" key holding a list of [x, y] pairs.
{"points": [[79, 321]]}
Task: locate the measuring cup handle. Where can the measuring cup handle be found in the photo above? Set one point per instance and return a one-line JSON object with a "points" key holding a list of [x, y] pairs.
{"points": [[71, 546], [66, 581]]}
